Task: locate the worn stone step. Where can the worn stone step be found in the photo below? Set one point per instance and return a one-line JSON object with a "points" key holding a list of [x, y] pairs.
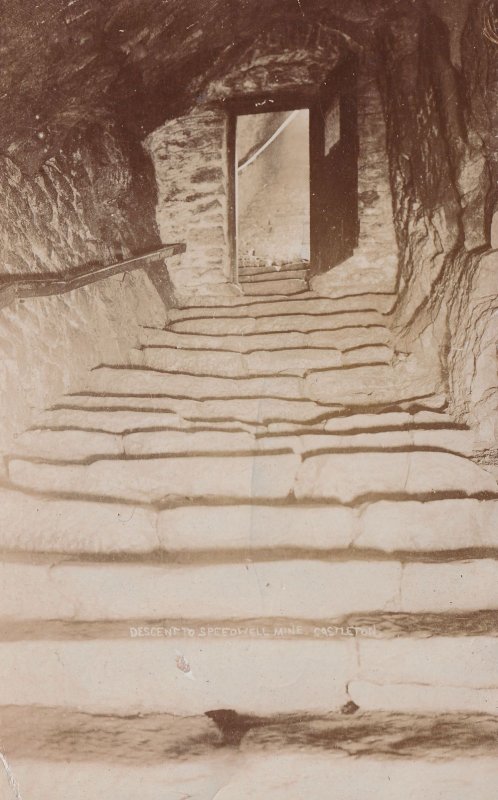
{"points": [[129, 380], [305, 303], [259, 676], [76, 445], [374, 625], [350, 387], [239, 413], [277, 287], [147, 443], [273, 414], [340, 477], [157, 479], [305, 300], [37, 523], [390, 526], [346, 478], [260, 362], [374, 384], [390, 420], [450, 440], [341, 339], [302, 301], [339, 413], [297, 589], [274, 277], [299, 266], [301, 322], [99, 422], [67, 444], [289, 773], [151, 738]]}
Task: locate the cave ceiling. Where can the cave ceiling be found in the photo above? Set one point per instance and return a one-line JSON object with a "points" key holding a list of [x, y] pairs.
{"points": [[66, 63]]}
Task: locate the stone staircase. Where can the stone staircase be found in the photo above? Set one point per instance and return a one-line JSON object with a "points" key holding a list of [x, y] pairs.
{"points": [[284, 280], [267, 515]]}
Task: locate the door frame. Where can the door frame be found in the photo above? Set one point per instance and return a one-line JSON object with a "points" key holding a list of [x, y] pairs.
{"points": [[240, 106], [307, 97]]}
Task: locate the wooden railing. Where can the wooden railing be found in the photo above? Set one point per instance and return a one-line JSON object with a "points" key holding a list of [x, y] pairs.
{"points": [[13, 287]]}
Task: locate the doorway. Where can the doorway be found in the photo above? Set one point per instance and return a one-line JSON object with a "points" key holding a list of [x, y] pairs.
{"points": [[294, 195], [273, 189]]}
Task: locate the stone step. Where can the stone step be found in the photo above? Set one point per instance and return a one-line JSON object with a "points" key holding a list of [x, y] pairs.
{"points": [[341, 339], [130, 380], [289, 773], [305, 303], [347, 478], [259, 362], [373, 384], [37, 523], [268, 477], [272, 276], [340, 477], [76, 445], [99, 422], [149, 739], [301, 301], [390, 420], [246, 325], [373, 625], [350, 387], [259, 676], [313, 590], [278, 287], [126, 413], [300, 266], [260, 414]]}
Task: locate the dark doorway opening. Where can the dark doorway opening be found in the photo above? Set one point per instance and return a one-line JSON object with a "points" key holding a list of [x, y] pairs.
{"points": [[295, 177]]}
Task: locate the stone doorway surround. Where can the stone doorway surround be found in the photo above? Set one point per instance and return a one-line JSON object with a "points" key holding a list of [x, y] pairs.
{"points": [[193, 156]]}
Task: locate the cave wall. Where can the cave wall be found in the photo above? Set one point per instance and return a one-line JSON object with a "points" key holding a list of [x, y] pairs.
{"points": [[472, 295], [92, 204], [440, 106]]}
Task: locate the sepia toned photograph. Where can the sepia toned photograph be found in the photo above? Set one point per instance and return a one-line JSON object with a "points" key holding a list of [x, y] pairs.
{"points": [[249, 400]]}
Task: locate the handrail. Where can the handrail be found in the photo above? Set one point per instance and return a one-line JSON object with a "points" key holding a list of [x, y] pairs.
{"points": [[13, 287], [261, 148]]}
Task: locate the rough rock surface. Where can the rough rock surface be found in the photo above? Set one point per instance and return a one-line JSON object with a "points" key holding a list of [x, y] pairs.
{"points": [[191, 167], [145, 64], [91, 204], [440, 104]]}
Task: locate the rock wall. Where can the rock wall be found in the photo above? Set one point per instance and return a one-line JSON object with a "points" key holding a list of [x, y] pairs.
{"points": [[441, 119], [472, 364], [92, 204], [289, 55], [190, 156], [273, 195]]}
